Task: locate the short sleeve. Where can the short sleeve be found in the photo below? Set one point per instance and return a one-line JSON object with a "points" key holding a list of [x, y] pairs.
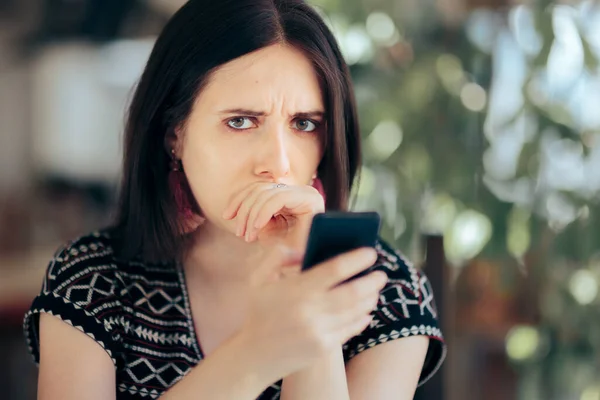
{"points": [[406, 307], [81, 288]]}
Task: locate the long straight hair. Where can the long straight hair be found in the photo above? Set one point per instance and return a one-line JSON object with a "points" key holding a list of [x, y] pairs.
{"points": [[200, 37]]}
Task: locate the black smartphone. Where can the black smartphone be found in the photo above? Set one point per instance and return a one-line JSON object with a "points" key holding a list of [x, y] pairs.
{"points": [[334, 233]]}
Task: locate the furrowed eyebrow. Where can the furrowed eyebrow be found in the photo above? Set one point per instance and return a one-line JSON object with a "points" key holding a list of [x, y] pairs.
{"points": [[254, 113], [310, 115], [243, 111]]}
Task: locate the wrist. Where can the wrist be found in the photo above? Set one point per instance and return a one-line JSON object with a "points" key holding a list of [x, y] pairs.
{"points": [[323, 379], [250, 356]]}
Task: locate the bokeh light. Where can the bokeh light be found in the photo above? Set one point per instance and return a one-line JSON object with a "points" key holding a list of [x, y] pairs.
{"points": [[522, 343], [382, 29], [451, 73], [385, 139], [470, 232], [473, 97], [583, 285], [591, 393]]}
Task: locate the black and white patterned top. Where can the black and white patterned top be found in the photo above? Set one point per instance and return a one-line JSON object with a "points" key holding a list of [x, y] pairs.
{"points": [[140, 314]]}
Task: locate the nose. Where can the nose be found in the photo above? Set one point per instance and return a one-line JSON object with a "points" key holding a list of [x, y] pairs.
{"points": [[273, 160]]}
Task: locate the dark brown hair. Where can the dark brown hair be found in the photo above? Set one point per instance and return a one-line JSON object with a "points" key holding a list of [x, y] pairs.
{"points": [[200, 37]]}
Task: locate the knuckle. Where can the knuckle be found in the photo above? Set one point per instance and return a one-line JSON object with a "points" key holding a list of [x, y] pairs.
{"points": [[338, 267], [371, 303], [356, 289], [323, 343]]}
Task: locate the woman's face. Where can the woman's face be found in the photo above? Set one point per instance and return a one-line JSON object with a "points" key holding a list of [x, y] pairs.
{"points": [[260, 118]]}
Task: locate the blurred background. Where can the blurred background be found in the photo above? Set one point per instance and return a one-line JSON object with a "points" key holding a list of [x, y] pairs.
{"points": [[481, 126]]}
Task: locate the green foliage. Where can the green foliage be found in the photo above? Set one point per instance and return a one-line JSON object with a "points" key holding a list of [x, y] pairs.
{"points": [[438, 170]]}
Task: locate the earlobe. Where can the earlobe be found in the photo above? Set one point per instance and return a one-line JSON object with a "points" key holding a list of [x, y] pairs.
{"points": [[173, 143], [189, 221]]}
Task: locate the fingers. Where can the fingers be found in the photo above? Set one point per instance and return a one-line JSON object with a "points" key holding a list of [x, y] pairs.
{"points": [[234, 205], [365, 289], [353, 321], [348, 305], [297, 200], [339, 268], [261, 213], [271, 264], [254, 207], [243, 203], [243, 212], [355, 328]]}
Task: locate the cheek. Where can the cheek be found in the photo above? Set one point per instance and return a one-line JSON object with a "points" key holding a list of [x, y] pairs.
{"points": [[207, 172], [311, 154]]}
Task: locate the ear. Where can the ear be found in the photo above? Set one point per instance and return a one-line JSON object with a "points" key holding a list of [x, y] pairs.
{"points": [[173, 141]]}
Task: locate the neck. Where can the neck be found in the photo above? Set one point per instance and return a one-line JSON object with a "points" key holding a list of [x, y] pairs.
{"points": [[219, 259]]}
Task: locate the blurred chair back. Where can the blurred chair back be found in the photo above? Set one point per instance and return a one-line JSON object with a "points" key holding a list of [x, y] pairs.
{"points": [[436, 268]]}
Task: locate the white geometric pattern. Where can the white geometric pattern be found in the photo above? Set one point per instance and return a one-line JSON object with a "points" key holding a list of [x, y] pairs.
{"points": [[141, 316], [427, 301], [161, 337], [91, 288], [143, 392], [394, 294], [159, 296], [151, 372]]}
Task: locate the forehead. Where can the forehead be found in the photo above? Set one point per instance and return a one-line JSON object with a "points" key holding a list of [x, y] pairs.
{"points": [[279, 73]]}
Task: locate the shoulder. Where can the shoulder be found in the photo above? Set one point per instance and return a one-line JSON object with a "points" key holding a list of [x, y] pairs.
{"points": [[89, 260], [81, 287], [399, 269], [406, 308], [408, 295]]}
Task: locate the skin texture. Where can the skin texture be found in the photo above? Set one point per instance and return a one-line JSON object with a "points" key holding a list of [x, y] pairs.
{"points": [[226, 152], [258, 122]]}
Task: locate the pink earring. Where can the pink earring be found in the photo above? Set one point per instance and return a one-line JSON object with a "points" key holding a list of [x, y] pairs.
{"points": [[317, 184], [181, 195]]}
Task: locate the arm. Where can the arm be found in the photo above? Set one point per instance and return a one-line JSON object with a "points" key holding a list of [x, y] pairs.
{"points": [[66, 355], [373, 374], [71, 363], [324, 380], [230, 372], [389, 371]]}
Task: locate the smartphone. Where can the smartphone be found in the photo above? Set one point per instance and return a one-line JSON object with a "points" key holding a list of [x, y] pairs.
{"points": [[334, 233]]}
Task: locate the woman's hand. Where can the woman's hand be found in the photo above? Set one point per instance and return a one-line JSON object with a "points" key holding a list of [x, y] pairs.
{"points": [[301, 318], [269, 208]]}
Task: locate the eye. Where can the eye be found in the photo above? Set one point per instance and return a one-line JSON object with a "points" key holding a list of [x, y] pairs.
{"points": [[240, 123], [305, 125]]}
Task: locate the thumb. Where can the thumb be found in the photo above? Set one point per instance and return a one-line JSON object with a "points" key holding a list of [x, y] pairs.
{"points": [[269, 266]]}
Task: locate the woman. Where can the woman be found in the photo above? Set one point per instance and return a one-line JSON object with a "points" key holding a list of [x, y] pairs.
{"points": [[242, 127]]}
